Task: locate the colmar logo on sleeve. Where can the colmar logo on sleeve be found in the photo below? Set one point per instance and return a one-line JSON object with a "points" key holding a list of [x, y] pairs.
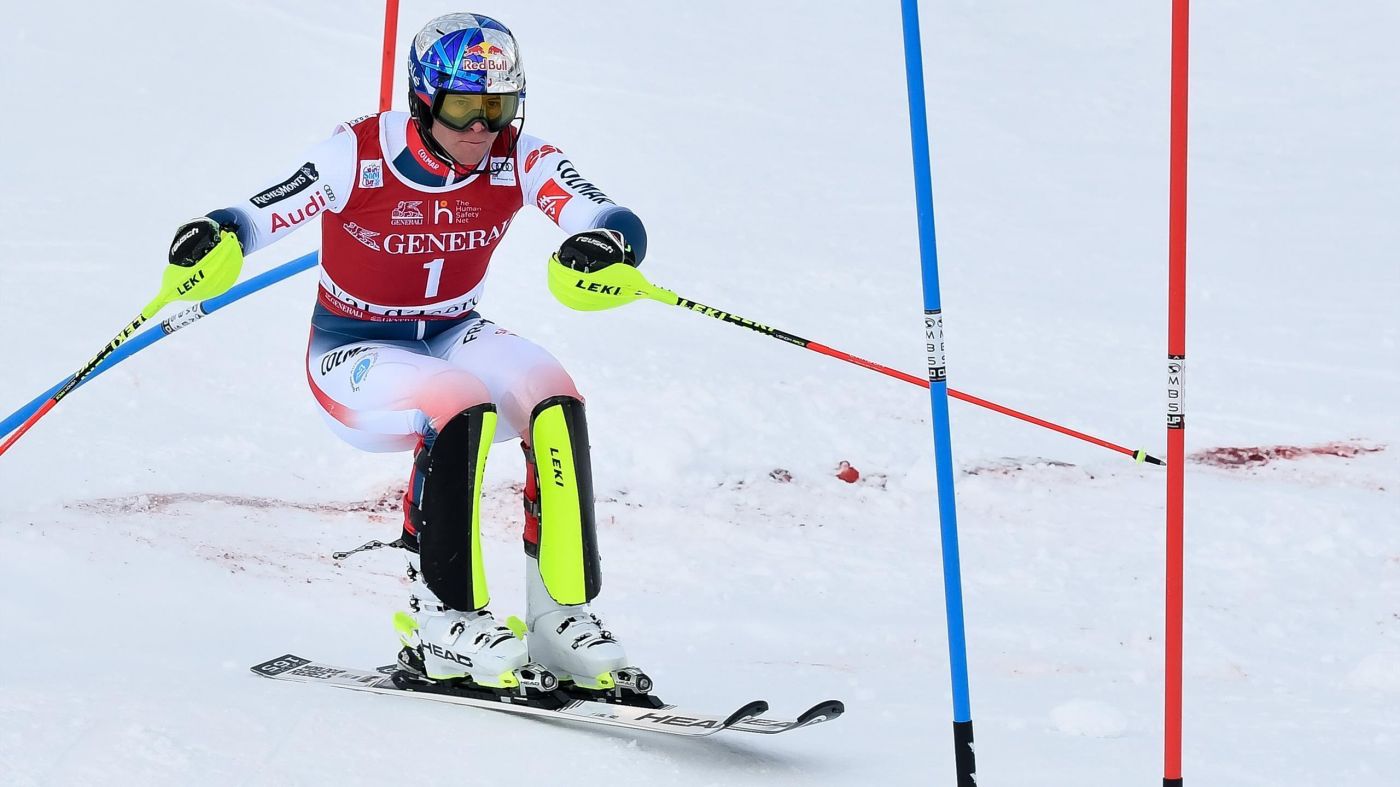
{"points": [[571, 178]]}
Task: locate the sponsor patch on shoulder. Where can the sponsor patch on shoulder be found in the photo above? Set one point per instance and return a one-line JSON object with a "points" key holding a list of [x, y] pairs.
{"points": [[371, 174], [536, 155], [304, 177], [552, 199], [357, 121], [502, 171]]}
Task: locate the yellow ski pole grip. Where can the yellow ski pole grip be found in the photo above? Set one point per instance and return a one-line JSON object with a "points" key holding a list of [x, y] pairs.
{"points": [[212, 275], [616, 285]]}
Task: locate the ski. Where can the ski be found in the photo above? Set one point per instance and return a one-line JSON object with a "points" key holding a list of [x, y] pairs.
{"points": [[666, 719], [821, 712]]}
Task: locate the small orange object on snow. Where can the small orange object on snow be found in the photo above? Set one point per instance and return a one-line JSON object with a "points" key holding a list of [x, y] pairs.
{"points": [[847, 473]]}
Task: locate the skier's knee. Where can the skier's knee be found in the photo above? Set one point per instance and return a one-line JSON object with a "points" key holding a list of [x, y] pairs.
{"points": [[540, 383], [447, 393]]}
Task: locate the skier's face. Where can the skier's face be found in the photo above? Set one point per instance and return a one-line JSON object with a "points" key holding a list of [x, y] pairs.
{"points": [[468, 146]]}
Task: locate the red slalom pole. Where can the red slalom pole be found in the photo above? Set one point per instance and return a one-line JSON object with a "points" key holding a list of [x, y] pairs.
{"points": [[386, 68], [1176, 412]]}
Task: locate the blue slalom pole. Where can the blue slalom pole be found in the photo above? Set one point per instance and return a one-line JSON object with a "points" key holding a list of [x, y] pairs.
{"points": [[938, 396], [170, 325]]}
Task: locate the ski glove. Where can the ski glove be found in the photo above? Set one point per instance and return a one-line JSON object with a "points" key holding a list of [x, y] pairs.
{"points": [[592, 250], [205, 260], [585, 274]]}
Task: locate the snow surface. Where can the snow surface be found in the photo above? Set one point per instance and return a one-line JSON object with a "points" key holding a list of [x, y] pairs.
{"points": [[171, 524]]}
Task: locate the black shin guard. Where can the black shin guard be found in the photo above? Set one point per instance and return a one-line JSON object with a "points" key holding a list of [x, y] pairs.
{"points": [[448, 516], [568, 537]]}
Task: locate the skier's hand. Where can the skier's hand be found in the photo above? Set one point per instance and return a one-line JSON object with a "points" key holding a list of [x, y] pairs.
{"points": [[593, 250], [585, 274], [205, 260]]}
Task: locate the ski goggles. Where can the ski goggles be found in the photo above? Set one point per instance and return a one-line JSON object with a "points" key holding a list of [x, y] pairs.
{"points": [[457, 111]]}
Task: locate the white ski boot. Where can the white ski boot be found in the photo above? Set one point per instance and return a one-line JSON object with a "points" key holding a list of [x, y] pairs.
{"points": [[441, 644], [452, 645], [570, 642]]}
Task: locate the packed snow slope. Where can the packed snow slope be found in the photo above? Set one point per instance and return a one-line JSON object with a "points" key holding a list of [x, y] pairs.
{"points": [[172, 523]]}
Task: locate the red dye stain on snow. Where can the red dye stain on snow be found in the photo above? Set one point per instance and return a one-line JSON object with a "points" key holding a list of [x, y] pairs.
{"points": [[387, 503], [1258, 456]]}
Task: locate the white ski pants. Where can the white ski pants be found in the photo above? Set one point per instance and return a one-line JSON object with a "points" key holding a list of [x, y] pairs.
{"points": [[380, 386]]}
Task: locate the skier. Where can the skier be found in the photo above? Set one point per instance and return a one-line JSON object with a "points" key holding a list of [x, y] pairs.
{"points": [[412, 207]]}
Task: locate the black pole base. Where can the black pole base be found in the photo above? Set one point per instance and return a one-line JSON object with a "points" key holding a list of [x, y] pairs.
{"points": [[1171, 783], [964, 754]]}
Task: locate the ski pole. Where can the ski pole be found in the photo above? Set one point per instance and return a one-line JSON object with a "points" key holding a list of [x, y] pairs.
{"points": [[619, 284], [125, 333], [167, 326], [213, 274]]}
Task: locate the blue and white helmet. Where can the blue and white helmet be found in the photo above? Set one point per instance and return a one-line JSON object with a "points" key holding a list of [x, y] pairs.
{"points": [[467, 53], [463, 53]]}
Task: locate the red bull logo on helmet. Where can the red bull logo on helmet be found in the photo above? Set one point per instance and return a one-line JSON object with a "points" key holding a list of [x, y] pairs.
{"points": [[485, 49], [484, 56]]}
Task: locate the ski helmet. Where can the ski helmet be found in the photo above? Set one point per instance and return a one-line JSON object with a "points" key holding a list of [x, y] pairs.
{"points": [[469, 57]]}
